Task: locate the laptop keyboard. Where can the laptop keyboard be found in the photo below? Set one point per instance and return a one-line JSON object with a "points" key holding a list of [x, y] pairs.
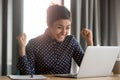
{"points": [[65, 75]]}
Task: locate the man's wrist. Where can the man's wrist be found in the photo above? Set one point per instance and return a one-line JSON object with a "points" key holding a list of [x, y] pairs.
{"points": [[22, 52], [89, 42]]}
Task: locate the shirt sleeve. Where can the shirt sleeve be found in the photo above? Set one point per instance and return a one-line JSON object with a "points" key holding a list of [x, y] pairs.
{"points": [[78, 52], [26, 64]]}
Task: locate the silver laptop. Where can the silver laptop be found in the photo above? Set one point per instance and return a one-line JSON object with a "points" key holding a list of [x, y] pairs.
{"points": [[97, 61]]}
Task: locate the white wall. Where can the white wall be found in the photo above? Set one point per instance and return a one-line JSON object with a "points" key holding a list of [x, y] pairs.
{"points": [[0, 33]]}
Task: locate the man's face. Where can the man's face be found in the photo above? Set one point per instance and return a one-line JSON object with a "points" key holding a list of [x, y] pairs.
{"points": [[60, 29]]}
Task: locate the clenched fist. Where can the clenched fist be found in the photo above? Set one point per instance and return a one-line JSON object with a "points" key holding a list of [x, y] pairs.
{"points": [[87, 35], [22, 43]]}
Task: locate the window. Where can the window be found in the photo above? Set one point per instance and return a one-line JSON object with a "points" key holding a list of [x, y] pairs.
{"points": [[35, 16]]}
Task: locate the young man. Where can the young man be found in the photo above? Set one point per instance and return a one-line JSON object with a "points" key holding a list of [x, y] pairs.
{"points": [[52, 52]]}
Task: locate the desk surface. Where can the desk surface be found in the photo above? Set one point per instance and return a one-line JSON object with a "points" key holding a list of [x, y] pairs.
{"points": [[116, 77]]}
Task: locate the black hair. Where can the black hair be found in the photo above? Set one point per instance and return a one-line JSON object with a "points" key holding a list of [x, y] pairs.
{"points": [[57, 12]]}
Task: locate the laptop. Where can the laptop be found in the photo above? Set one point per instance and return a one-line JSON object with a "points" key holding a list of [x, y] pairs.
{"points": [[98, 61]]}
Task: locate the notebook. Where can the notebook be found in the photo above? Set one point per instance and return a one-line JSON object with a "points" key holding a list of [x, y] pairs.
{"points": [[97, 61], [27, 77]]}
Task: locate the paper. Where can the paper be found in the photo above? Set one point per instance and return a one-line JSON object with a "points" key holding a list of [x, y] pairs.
{"points": [[27, 77]]}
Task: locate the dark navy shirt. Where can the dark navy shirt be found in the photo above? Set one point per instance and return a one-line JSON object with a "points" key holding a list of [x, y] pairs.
{"points": [[45, 55]]}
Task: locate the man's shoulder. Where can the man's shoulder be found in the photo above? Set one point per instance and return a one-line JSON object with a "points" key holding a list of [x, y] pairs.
{"points": [[36, 39], [71, 37]]}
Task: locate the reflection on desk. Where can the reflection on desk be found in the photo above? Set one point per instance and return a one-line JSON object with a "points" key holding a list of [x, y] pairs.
{"points": [[115, 77]]}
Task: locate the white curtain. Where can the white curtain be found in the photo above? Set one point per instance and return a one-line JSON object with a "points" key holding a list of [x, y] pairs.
{"points": [[11, 17]]}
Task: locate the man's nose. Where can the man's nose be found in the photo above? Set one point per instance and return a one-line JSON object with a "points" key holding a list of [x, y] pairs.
{"points": [[64, 31]]}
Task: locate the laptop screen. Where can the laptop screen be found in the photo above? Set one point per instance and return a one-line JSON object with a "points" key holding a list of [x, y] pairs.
{"points": [[98, 61]]}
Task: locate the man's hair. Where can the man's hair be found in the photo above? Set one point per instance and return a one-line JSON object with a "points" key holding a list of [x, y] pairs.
{"points": [[57, 12]]}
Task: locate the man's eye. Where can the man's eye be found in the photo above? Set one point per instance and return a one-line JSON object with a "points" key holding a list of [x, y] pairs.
{"points": [[59, 26], [68, 28]]}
